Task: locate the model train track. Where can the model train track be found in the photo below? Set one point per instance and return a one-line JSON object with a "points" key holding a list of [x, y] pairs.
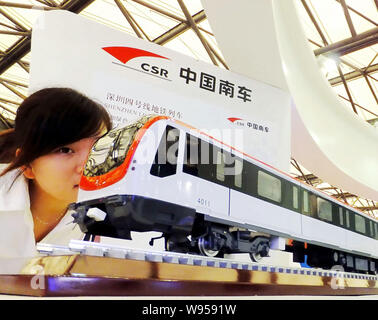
{"points": [[121, 252]]}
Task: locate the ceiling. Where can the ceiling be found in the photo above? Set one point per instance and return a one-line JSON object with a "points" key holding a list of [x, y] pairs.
{"points": [[342, 33]]}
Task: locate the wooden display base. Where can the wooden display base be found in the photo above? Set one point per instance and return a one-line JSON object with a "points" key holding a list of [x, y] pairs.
{"points": [[83, 275]]}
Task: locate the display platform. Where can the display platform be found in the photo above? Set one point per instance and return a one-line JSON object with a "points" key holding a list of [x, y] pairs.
{"points": [[84, 275]]}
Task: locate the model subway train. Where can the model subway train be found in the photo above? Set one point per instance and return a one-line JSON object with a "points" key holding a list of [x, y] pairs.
{"points": [[159, 174]]}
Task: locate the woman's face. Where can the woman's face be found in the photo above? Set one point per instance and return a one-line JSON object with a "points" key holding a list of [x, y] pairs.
{"points": [[58, 174]]}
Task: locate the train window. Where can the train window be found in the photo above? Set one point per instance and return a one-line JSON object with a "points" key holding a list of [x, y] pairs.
{"points": [[249, 176], [376, 230], [313, 204], [360, 224], [110, 151], [295, 198], [229, 168], [371, 224], [238, 173], [219, 164], [324, 209], [198, 159], [191, 155], [341, 216], [347, 219], [306, 203], [233, 169], [268, 186], [165, 163]]}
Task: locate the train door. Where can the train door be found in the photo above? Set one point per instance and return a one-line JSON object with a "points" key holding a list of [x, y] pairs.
{"points": [[204, 177], [163, 174]]}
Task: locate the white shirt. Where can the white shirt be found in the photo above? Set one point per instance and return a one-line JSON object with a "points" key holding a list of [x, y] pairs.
{"points": [[17, 241]]}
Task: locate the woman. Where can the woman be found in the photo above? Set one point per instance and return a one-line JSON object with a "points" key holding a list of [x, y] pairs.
{"points": [[54, 131]]}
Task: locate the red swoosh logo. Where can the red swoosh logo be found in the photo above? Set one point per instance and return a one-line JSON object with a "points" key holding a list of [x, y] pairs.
{"points": [[234, 119], [125, 54]]}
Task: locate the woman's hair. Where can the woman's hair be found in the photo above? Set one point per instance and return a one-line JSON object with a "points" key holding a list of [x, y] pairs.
{"points": [[48, 119]]}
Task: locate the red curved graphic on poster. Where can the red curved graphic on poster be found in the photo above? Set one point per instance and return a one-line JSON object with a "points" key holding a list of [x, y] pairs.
{"points": [[234, 119], [125, 54]]}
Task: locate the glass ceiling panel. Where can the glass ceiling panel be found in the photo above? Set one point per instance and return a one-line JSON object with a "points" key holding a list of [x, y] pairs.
{"points": [[360, 89], [189, 44], [16, 73], [107, 14], [360, 24], [363, 57], [330, 16], [340, 91], [7, 39], [365, 7], [308, 26]]}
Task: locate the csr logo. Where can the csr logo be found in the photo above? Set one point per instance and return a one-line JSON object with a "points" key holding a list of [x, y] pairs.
{"points": [[154, 70], [125, 54]]}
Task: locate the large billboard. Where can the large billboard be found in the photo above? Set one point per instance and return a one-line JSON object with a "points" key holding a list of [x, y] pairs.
{"points": [[133, 77]]}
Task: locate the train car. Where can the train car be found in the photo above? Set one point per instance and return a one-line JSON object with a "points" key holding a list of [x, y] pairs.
{"points": [[159, 174]]}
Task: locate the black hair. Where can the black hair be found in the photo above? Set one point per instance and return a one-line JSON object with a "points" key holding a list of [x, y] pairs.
{"points": [[48, 119]]}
